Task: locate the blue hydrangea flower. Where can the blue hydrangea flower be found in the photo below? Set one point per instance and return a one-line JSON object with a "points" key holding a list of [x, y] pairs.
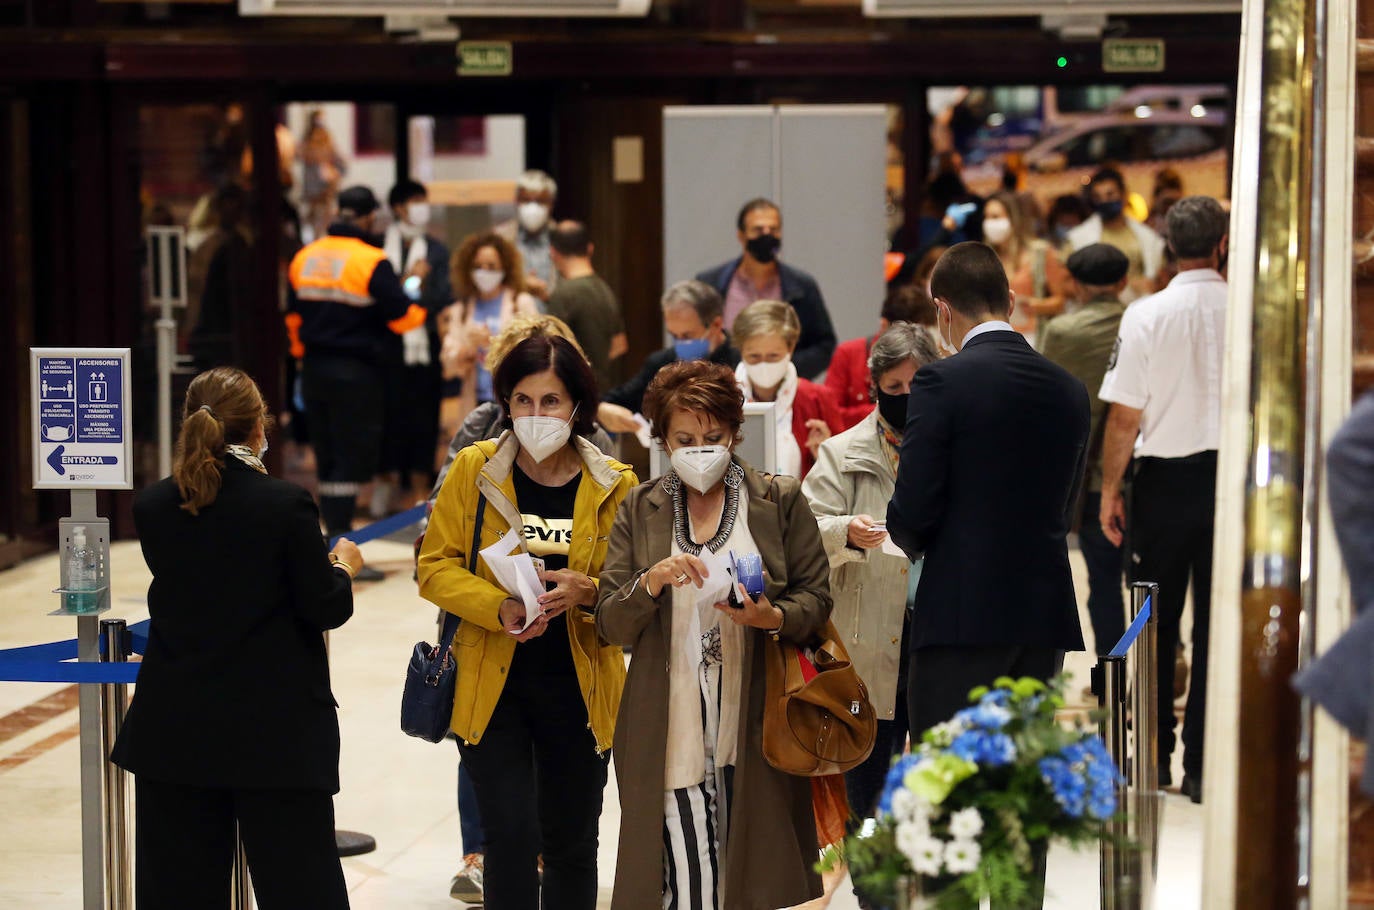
{"points": [[992, 750]]}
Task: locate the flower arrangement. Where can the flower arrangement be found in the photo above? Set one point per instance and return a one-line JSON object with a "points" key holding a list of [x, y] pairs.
{"points": [[962, 813]]}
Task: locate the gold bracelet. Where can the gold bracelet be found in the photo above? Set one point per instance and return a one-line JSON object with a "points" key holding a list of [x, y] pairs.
{"points": [[338, 563]]}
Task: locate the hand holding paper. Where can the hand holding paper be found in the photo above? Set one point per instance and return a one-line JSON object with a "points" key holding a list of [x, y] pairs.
{"points": [[515, 572]]}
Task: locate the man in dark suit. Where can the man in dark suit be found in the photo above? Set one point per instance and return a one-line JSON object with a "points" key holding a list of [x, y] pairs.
{"points": [[991, 463]]}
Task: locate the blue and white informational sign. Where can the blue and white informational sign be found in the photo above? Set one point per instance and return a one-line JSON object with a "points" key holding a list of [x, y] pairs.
{"points": [[81, 419]]}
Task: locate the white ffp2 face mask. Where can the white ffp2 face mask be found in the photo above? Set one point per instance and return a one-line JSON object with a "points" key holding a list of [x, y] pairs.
{"points": [[765, 375], [996, 230], [487, 280], [532, 216], [700, 467], [542, 436], [417, 213]]}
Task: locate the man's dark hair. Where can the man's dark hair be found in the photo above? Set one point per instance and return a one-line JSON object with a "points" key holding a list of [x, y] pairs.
{"points": [[1108, 175], [570, 238], [405, 191], [908, 304], [754, 205], [971, 279], [1068, 204], [1196, 225], [537, 354]]}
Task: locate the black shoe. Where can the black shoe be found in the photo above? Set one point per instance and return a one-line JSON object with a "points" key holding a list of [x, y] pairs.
{"points": [[367, 573], [1191, 788]]}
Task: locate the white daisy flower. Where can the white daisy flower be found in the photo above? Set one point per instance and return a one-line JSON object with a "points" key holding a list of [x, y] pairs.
{"points": [[962, 856], [903, 805], [928, 856], [966, 824]]}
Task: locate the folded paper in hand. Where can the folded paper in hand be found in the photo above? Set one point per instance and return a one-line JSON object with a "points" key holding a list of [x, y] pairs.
{"points": [[516, 573], [891, 549], [720, 576]]}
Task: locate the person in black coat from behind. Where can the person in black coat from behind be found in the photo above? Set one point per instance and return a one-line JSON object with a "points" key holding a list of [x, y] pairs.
{"points": [[992, 458], [233, 719]]}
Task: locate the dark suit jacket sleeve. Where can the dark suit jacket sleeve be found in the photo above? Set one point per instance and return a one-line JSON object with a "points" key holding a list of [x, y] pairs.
{"points": [[817, 341], [920, 498], [630, 393], [385, 289], [438, 286], [624, 608], [806, 604], [321, 594]]}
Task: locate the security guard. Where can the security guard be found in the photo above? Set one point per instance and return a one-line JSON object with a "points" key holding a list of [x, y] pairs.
{"points": [[1164, 387], [344, 307]]}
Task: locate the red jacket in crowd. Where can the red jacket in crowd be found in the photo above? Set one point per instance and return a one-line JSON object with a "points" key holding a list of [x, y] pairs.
{"points": [[847, 380]]}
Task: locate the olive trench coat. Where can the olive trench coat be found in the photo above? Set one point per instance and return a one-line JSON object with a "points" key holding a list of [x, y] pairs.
{"points": [[771, 847]]}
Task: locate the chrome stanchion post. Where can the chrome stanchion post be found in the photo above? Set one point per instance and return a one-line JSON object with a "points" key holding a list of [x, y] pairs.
{"points": [[1145, 711], [1118, 867], [113, 702], [241, 897]]}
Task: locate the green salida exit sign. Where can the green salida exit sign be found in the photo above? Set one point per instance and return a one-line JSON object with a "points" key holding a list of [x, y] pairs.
{"points": [[485, 58], [1133, 55]]}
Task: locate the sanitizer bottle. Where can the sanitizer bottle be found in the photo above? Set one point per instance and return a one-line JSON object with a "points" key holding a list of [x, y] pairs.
{"points": [[83, 582]]}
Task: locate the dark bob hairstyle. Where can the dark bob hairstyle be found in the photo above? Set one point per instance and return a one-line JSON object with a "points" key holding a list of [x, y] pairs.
{"points": [[698, 386], [542, 352]]}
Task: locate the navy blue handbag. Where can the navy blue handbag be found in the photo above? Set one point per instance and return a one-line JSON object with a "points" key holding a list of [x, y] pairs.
{"points": [[427, 700]]}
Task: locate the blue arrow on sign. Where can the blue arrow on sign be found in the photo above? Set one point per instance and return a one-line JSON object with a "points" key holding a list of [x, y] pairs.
{"points": [[55, 459]]}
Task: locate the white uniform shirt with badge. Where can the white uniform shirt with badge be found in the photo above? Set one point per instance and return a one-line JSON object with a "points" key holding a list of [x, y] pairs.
{"points": [[1167, 364]]}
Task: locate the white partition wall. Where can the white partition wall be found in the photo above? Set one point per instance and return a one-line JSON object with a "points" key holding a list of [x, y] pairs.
{"points": [[824, 166]]}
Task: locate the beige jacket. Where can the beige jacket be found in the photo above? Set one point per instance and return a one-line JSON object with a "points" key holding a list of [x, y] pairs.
{"points": [[853, 476]]}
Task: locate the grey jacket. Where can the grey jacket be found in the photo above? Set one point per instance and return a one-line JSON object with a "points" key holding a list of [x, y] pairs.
{"points": [[853, 476]]}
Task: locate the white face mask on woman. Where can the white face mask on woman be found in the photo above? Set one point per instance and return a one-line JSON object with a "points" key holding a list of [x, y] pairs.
{"points": [[542, 436], [765, 375], [487, 280], [700, 467], [996, 230], [532, 216]]}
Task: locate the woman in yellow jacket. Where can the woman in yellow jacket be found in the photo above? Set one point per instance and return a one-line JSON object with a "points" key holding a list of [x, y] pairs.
{"points": [[536, 699]]}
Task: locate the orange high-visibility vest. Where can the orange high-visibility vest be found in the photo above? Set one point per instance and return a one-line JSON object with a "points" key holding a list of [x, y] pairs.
{"points": [[339, 269], [336, 269]]}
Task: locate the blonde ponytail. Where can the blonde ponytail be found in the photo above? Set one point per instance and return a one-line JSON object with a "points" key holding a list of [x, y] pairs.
{"points": [[223, 407]]}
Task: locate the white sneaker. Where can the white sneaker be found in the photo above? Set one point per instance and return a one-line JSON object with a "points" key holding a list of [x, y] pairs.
{"points": [[467, 884]]}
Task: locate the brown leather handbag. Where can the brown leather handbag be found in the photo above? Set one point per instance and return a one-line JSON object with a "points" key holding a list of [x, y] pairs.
{"points": [[817, 718]]}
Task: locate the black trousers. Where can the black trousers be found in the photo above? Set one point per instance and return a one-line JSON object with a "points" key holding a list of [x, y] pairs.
{"points": [[539, 785], [1106, 604], [941, 678], [345, 402], [864, 783], [1173, 504], [184, 844]]}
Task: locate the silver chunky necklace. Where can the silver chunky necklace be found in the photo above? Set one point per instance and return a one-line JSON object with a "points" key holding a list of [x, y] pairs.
{"points": [[734, 477]]}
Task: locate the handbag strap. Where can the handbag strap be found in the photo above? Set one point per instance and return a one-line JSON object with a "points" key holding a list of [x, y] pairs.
{"points": [[451, 620]]}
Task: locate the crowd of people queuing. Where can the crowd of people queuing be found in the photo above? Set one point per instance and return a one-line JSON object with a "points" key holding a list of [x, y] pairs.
{"points": [[923, 499]]}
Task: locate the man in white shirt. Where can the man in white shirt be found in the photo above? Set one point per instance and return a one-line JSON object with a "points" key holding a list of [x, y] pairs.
{"points": [[1164, 386]]}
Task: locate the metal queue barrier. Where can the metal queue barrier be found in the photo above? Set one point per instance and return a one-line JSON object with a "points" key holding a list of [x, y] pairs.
{"points": [[1130, 851]]}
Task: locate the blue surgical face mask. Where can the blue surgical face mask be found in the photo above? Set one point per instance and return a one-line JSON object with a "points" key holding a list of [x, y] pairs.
{"points": [[692, 348]]}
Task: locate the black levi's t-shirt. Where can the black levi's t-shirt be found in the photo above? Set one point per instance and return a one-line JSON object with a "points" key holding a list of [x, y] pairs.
{"points": [[547, 513]]}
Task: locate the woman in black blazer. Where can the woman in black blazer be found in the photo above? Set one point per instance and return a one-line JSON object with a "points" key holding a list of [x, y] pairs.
{"points": [[233, 719]]}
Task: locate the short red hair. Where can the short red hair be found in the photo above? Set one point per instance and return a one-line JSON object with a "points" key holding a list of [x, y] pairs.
{"points": [[698, 386]]}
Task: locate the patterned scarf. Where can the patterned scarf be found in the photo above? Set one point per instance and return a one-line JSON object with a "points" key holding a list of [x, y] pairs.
{"points": [[892, 442], [247, 456]]}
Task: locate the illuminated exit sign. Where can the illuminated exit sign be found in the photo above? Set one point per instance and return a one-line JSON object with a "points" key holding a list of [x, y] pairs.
{"points": [[485, 58], [1133, 55]]}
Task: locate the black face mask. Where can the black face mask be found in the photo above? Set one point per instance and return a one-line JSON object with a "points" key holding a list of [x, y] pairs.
{"points": [[892, 408], [1109, 211], [763, 248]]}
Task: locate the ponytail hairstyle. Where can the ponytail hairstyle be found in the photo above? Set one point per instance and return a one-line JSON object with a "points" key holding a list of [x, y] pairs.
{"points": [[223, 407]]}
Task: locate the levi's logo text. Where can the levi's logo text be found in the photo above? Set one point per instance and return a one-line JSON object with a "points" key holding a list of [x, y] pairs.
{"points": [[547, 536]]}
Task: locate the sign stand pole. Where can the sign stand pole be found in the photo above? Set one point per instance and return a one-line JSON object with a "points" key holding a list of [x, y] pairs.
{"points": [[166, 357], [92, 757]]}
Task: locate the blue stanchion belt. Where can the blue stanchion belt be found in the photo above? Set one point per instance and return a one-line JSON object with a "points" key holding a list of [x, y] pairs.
{"points": [[56, 662], [385, 526], [1134, 631]]}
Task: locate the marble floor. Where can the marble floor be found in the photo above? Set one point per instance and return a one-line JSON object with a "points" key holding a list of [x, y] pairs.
{"points": [[398, 789]]}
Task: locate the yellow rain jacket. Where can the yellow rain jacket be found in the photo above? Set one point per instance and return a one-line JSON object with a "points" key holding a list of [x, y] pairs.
{"points": [[482, 648]]}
